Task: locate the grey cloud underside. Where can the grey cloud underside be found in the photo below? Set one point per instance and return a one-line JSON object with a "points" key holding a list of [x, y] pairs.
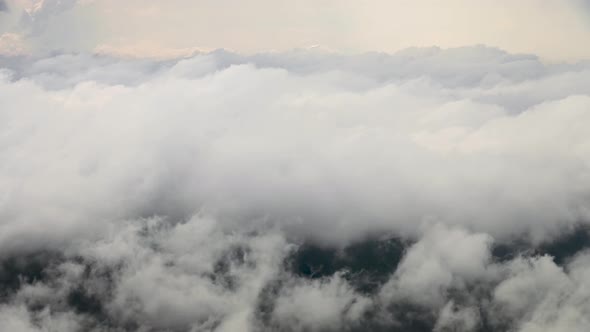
{"points": [[428, 190], [3, 6]]}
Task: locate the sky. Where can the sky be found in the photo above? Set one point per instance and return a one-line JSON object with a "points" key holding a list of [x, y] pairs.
{"points": [[196, 166], [553, 29]]}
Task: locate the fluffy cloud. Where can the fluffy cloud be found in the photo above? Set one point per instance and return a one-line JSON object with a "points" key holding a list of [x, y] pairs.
{"points": [[175, 194], [540, 296], [330, 304], [443, 258]]}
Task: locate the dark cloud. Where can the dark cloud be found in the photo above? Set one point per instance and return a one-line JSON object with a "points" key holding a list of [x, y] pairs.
{"points": [[3, 6]]}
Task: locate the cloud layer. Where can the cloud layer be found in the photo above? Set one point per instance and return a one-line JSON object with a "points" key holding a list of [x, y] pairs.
{"points": [[303, 191]]}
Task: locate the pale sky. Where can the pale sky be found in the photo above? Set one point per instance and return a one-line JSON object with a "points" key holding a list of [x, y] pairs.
{"points": [[552, 29]]}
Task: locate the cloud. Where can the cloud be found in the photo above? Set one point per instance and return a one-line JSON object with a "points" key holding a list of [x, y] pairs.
{"points": [[314, 149], [46, 26], [146, 50], [12, 45], [329, 304], [305, 190], [442, 259], [559, 307], [458, 319]]}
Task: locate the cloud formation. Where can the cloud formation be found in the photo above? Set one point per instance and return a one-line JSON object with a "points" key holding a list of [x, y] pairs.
{"points": [[299, 191]]}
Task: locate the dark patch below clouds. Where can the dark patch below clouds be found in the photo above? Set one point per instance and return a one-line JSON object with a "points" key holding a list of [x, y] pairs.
{"points": [[19, 270], [367, 264], [561, 248]]}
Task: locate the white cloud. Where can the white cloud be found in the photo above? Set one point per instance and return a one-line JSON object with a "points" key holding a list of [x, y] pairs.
{"points": [[442, 259], [541, 296], [319, 305], [174, 192], [320, 152]]}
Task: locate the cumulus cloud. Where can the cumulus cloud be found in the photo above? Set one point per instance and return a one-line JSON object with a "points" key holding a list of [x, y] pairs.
{"points": [[443, 258], [187, 194], [330, 304]]}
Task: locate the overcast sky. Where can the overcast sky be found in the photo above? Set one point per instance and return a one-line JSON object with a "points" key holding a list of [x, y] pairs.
{"points": [[553, 29]]}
